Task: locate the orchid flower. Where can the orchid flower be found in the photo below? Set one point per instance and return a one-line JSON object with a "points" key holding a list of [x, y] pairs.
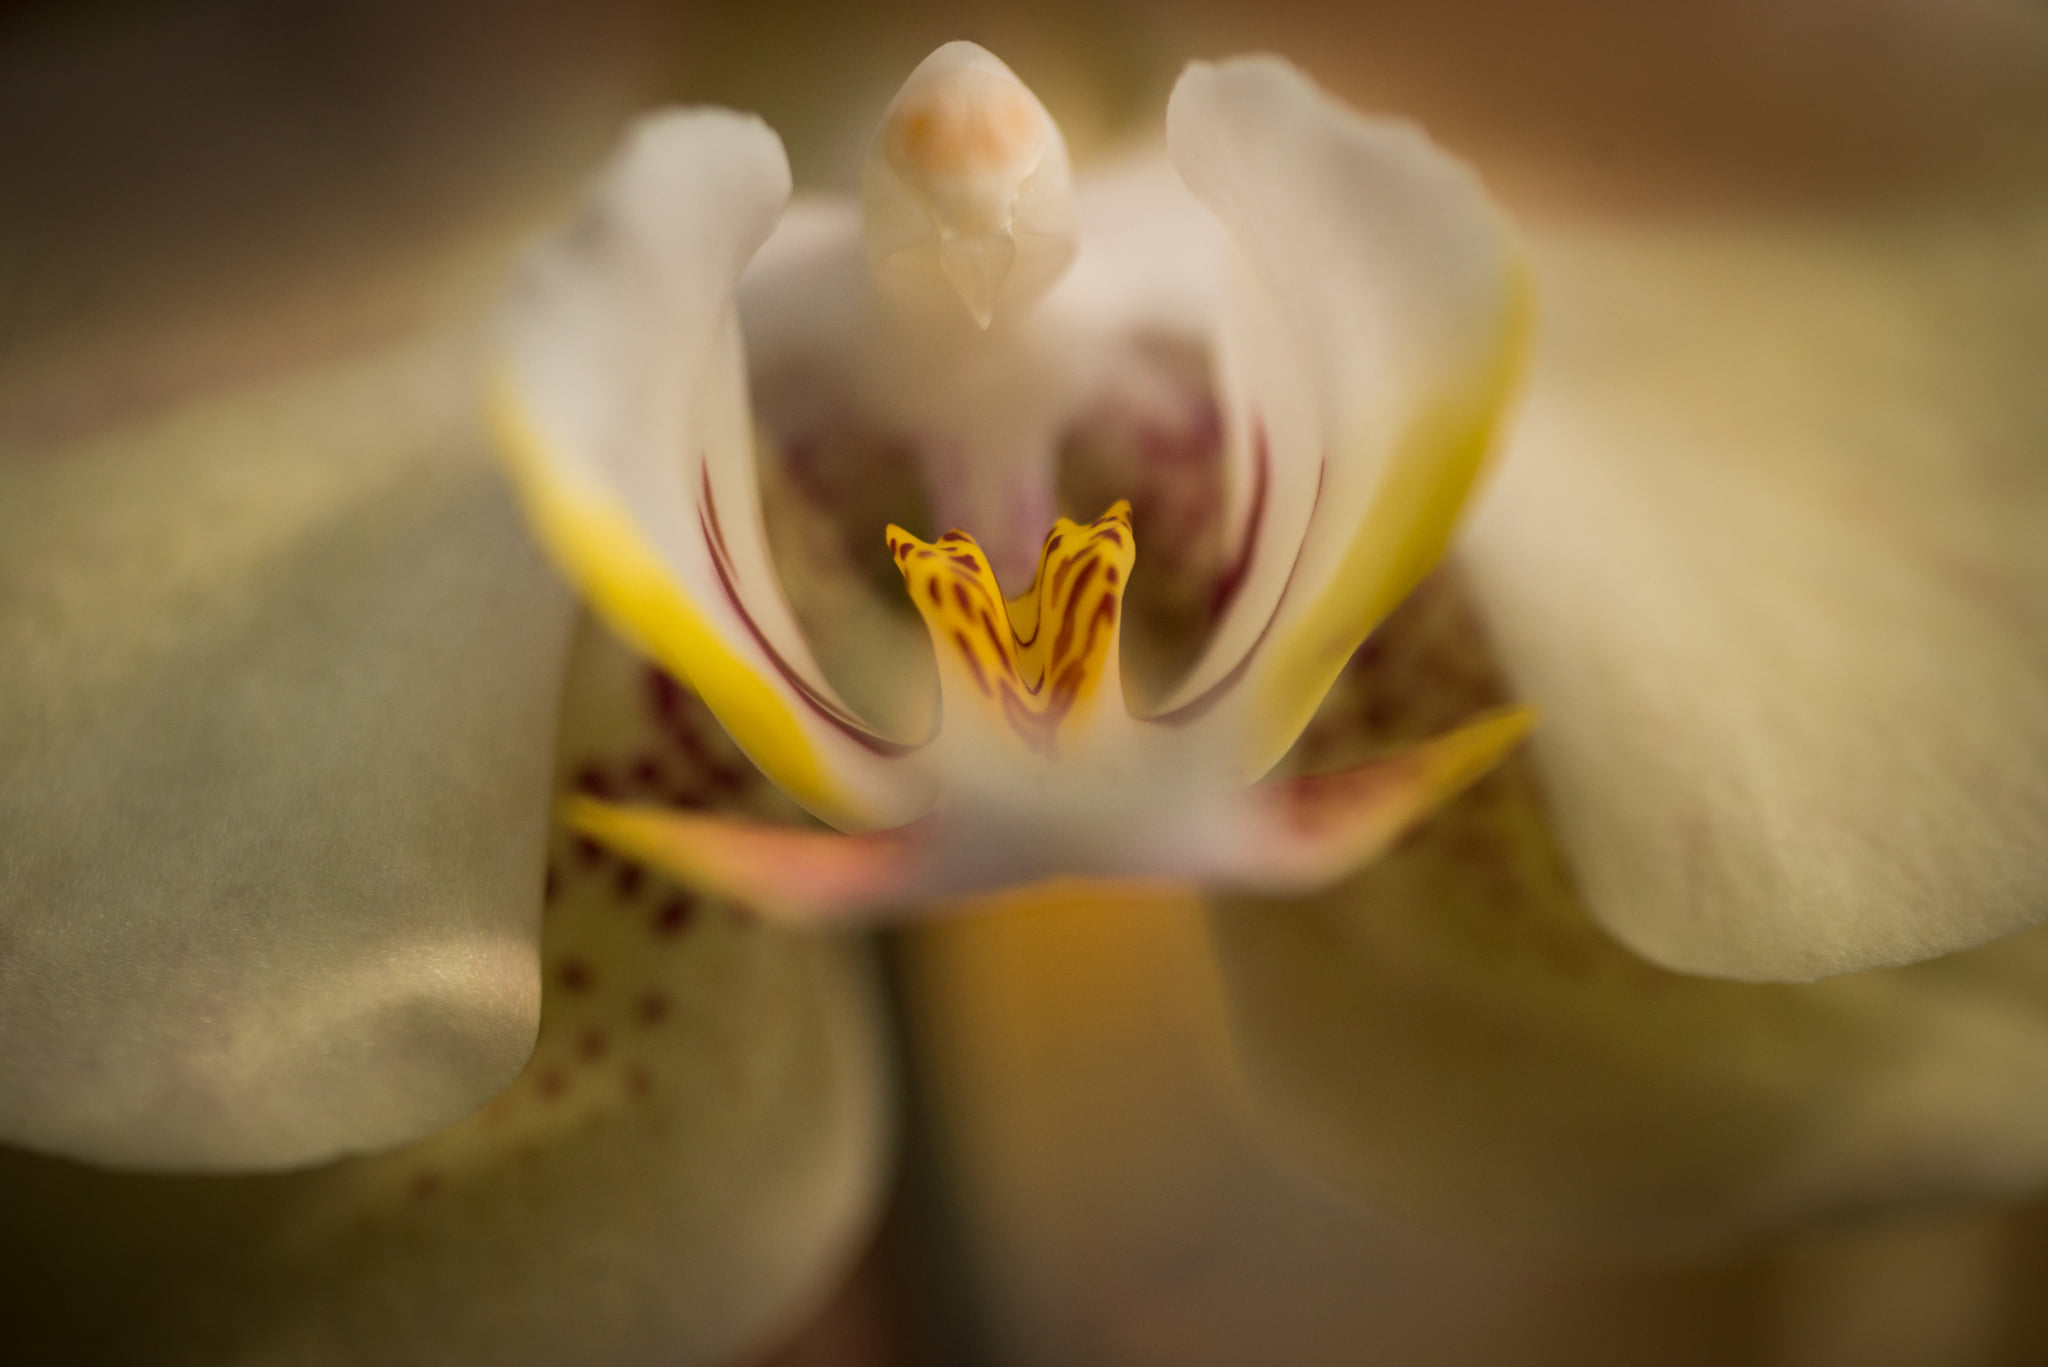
{"points": [[221, 963], [1375, 328]]}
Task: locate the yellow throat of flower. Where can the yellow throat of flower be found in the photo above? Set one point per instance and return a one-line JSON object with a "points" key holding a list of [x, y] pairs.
{"points": [[1039, 662]]}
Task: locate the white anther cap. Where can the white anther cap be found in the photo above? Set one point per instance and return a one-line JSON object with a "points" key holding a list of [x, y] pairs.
{"points": [[967, 197]]}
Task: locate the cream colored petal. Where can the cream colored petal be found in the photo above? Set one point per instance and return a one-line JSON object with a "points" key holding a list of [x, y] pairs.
{"points": [[679, 1175], [1450, 1037], [618, 386], [1771, 553], [281, 675], [1370, 350]]}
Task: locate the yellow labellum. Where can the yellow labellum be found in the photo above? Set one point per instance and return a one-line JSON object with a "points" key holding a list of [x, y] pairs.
{"points": [[1037, 663]]}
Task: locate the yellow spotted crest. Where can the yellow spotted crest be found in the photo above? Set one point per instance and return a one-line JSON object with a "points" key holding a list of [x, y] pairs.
{"points": [[1039, 661]]}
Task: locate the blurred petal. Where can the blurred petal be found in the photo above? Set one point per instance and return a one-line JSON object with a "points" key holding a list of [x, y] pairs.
{"points": [[680, 1172], [1376, 339], [274, 729], [620, 396], [1450, 1037], [1771, 553]]}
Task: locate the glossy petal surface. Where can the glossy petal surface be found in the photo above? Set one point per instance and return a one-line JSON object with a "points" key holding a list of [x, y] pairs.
{"points": [[677, 1176], [281, 684], [1771, 553]]}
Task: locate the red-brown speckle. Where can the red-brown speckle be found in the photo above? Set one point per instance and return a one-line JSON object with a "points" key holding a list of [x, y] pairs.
{"points": [[664, 695], [592, 1045], [639, 1081], [628, 880], [551, 1083], [675, 915], [652, 1008], [592, 781], [425, 1185], [574, 975]]}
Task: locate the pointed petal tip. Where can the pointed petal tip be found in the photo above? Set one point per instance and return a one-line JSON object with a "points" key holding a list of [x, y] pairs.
{"points": [[784, 873], [1314, 830]]}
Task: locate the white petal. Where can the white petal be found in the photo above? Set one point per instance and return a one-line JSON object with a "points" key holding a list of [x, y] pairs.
{"points": [[274, 736], [1771, 554], [1371, 348], [681, 1172], [1450, 1037], [620, 392]]}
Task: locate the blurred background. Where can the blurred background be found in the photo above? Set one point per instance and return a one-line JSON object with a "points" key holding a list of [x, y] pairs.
{"points": [[196, 195]]}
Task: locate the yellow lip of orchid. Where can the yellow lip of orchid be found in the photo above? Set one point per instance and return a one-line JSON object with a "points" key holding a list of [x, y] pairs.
{"points": [[1371, 342], [1037, 665]]}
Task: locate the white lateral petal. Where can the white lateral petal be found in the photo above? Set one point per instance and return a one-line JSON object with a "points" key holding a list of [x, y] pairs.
{"points": [[1371, 348], [1772, 555], [274, 731], [620, 393], [679, 1176]]}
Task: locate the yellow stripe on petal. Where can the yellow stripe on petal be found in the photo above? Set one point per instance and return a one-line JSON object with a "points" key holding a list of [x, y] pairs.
{"points": [[1406, 530], [1038, 665], [598, 546]]}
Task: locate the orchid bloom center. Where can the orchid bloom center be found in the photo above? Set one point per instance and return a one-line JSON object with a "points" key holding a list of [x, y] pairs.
{"points": [[1355, 313]]}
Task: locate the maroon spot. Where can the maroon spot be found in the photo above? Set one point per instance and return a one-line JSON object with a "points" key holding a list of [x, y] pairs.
{"points": [[627, 881], [931, 591], [592, 781], [639, 1081], [1109, 576], [591, 1045], [652, 1008], [574, 975], [588, 852], [664, 695], [424, 1185], [552, 1082], [675, 915], [646, 773], [550, 884]]}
